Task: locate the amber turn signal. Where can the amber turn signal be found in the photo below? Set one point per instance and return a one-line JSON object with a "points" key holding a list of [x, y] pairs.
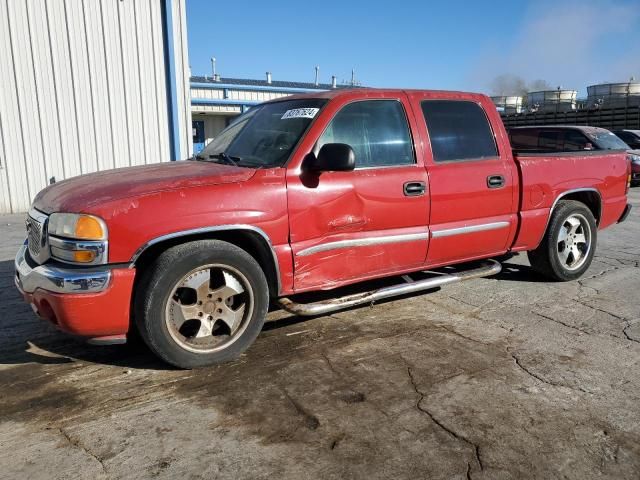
{"points": [[88, 228], [83, 256]]}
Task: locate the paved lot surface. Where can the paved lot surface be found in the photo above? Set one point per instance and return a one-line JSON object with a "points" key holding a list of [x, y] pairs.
{"points": [[508, 377]]}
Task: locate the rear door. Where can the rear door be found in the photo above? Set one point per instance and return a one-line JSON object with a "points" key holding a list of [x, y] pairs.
{"points": [[473, 183]]}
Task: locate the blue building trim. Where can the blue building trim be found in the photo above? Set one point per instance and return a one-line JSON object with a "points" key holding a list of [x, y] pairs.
{"points": [[222, 102], [258, 88], [172, 87]]}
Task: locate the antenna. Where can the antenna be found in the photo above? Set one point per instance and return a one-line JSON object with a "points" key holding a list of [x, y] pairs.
{"points": [[317, 75], [353, 77]]}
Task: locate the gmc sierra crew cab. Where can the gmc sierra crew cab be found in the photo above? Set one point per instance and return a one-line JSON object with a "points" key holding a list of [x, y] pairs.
{"points": [[307, 193]]}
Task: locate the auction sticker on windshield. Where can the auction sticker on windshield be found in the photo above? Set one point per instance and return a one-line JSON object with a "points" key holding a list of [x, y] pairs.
{"points": [[300, 113]]}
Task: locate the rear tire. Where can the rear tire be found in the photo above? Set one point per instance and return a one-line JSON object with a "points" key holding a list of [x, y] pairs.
{"points": [[201, 303], [569, 244]]}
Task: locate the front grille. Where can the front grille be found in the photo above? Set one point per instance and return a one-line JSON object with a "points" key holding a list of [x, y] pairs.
{"points": [[37, 236], [34, 230]]}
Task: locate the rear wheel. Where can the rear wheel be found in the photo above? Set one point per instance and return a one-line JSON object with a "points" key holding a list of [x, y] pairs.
{"points": [[201, 303], [569, 244]]}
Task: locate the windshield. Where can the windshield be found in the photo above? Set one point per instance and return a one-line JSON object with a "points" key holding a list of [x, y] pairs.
{"points": [[265, 136], [607, 141]]}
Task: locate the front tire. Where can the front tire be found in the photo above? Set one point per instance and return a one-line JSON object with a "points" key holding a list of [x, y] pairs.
{"points": [[201, 303], [569, 244]]}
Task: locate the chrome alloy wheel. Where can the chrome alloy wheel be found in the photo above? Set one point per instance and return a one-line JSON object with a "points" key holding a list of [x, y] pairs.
{"points": [[574, 241], [209, 308]]}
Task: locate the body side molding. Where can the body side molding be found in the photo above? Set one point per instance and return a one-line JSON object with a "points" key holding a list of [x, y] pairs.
{"points": [[363, 242], [470, 229]]}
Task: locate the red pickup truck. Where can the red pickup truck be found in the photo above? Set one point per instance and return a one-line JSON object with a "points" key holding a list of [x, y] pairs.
{"points": [[308, 193]]}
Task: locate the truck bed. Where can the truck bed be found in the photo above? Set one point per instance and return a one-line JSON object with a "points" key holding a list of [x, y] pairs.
{"points": [[599, 177]]}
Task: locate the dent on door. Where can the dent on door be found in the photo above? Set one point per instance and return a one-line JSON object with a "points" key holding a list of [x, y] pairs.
{"points": [[354, 226]]}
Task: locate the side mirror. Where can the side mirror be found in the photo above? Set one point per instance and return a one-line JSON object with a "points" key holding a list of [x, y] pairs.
{"points": [[334, 157]]}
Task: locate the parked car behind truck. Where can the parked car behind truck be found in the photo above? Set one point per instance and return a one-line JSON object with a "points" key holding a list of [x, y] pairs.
{"points": [[569, 138], [630, 137], [308, 193]]}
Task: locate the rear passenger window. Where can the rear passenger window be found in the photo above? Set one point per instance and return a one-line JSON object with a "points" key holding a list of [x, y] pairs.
{"points": [[377, 130], [459, 130]]}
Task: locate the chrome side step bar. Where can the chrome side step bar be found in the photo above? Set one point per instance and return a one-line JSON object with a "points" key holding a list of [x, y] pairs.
{"points": [[491, 267]]}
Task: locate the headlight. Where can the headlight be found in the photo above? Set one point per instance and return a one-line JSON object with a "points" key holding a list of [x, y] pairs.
{"points": [[78, 238], [635, 159], [77, 226]]}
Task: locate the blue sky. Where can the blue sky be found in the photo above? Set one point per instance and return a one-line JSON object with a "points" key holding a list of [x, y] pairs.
{"points": [[419, 44]]}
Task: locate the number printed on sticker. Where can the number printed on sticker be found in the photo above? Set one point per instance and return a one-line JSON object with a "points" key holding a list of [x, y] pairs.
{"points": [[300, 113]]}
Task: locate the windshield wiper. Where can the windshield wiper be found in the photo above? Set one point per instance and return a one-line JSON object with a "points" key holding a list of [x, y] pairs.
{"points": [[231, 160]]}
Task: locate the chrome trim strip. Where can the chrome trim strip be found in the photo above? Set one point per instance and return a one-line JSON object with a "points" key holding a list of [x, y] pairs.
{"points": [[99, 247], [568, 192], [363, 242], [58, 280], [38, 215], [490, 267], [470, 229], [219, 228]]}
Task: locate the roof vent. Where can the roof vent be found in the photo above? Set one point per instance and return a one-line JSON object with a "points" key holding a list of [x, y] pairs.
{"points": [[269, 78], [216, 77], [334, 82]]}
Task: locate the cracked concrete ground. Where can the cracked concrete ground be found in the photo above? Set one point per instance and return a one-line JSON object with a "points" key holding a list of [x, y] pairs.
{"points": [[499, 378]]}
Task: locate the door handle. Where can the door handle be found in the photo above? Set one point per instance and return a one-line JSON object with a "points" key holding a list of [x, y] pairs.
{"points": [[495, 181], [414, 189]]}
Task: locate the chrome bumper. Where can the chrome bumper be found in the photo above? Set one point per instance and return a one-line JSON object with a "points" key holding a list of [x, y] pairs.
{"points": [[58, 280]]}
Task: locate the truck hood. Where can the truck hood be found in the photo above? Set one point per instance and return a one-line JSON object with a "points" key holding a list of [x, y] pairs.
{"points": [[79, 193]]}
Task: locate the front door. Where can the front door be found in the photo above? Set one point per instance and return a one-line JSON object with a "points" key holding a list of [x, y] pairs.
{"points": [[349, 226], [473, 184]]}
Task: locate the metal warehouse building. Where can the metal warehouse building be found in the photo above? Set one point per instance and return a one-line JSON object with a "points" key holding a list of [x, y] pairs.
{"points": [[89, 85]]}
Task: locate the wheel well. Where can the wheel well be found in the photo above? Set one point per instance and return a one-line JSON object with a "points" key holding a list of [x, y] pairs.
{"points": [[590, 198], [251, 242]]}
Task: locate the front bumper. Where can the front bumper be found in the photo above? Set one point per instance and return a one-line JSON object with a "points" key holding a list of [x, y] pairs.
{"points": [[59, 280], [89, 302]]}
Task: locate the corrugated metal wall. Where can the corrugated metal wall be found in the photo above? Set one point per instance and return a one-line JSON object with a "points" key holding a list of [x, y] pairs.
{"points": [[83, 87], [182, 77]]}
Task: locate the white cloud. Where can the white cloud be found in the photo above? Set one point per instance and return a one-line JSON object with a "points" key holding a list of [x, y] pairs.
{"points": [[558, 42]]}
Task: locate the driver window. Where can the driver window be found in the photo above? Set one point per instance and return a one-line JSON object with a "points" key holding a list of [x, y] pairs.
{"points": [[377, 130]]}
